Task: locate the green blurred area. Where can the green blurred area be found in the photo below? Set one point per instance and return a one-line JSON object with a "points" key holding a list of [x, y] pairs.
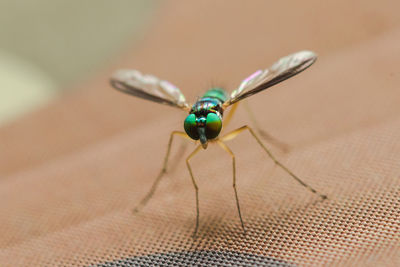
{"points": [[46, 45]]}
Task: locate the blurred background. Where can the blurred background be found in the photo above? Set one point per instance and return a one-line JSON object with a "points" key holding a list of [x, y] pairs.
{"points": [[44, 49]]}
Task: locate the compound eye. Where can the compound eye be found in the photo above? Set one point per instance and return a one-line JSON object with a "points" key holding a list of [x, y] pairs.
{"points": [[213, 125], [190, 127]]}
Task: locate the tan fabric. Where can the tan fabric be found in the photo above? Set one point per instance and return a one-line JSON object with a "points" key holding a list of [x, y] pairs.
{"points": [[71, 173]]}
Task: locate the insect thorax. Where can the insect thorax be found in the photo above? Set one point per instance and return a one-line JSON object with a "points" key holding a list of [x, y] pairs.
{"points": [[211, 101]]}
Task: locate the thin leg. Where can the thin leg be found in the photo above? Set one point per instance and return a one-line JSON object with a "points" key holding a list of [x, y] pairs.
{"points": [[269, 138], [179, 154], [234, 133], [228, 117], [227, 149], [153, 188], [196, 188]]}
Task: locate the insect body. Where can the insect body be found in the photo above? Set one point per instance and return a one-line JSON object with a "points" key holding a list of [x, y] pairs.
{"points": [[204, 122]]}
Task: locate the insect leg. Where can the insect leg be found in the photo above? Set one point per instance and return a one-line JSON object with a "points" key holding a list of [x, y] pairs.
{"points": [[179, 154], [228, 117], [153, 188], [234, 133], [195, 187], [268, 137], [227, 149]]}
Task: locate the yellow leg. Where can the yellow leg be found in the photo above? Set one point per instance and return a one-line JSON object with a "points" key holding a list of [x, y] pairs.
{"points": [[234, 133], [227, 149], [178, 157], [228, 117], [153, 188], [196, 188], [269, 138]]}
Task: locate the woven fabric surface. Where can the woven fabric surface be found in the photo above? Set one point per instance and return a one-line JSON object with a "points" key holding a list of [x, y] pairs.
{"points": [[71, 173]]}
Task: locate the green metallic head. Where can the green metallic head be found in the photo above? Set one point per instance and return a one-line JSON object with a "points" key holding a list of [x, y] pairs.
{"points": [[202, 127]]}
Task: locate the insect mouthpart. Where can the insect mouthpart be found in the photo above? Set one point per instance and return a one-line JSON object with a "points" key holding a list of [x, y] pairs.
{"points": [[202, 136]]}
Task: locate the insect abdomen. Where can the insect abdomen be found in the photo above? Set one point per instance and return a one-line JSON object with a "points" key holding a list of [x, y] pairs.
{"points": [[218, 93]]}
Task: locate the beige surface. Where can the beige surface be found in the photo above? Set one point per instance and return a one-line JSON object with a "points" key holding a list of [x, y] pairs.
{"points": [[71, 173], [70, 40], [46, 46]]}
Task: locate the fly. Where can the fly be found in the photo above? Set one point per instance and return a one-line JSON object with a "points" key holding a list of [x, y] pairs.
{"points": [[205, 119]]}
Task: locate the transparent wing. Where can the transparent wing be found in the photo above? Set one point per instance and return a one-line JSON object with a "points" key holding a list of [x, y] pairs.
{"points": [[283, 69], [148, 87]]}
